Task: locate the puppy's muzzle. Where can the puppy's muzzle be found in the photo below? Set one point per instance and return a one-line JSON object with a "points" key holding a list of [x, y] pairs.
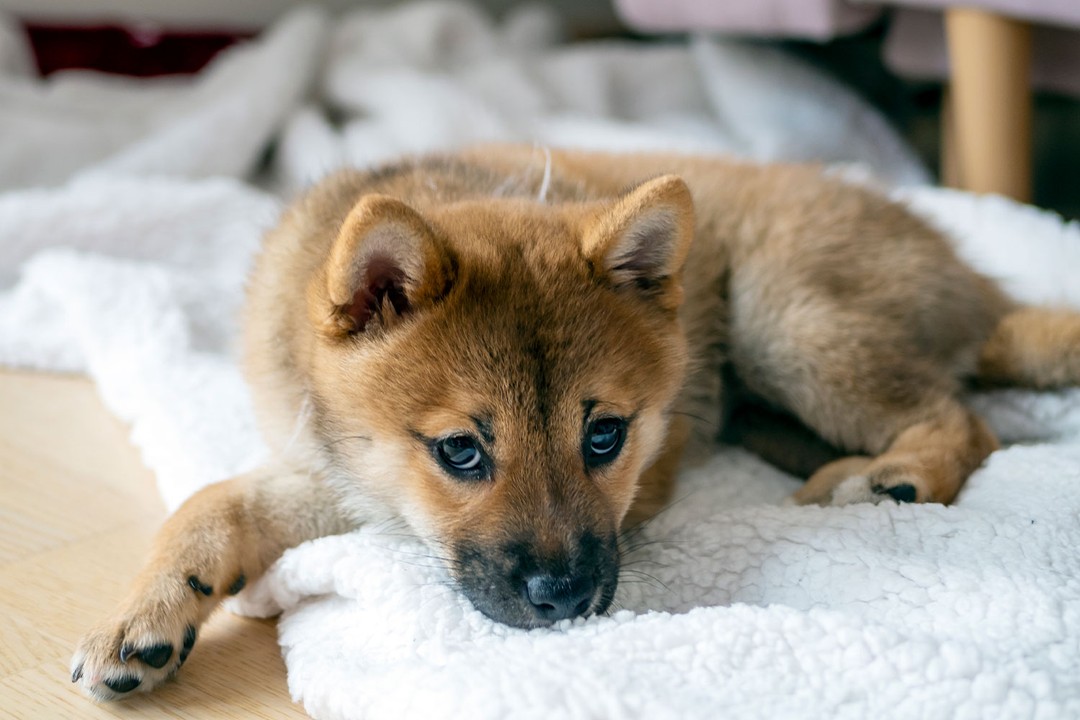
{"points": [[519, 585]]}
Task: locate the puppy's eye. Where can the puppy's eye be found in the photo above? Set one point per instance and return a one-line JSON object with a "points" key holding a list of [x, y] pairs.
{"points": [[461, 456], [604, 440]]}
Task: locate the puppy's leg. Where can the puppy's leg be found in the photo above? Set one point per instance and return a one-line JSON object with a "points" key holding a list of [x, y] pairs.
{"points": [[862, 383], [926, 462], [224, 536], [929, 460], [1033, 347]]}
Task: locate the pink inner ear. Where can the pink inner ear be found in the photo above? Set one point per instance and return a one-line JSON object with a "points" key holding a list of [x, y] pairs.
{"points": [[644, 264], [644, 252], [382, 282]]}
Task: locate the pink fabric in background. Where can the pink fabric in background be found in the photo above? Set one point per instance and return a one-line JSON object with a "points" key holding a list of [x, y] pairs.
{"points": [[1051, 12], [813, 19], [915, 46]]}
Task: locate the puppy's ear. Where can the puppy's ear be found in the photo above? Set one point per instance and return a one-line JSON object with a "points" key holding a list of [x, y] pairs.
{"points": [[640, 242], [385, 264]]}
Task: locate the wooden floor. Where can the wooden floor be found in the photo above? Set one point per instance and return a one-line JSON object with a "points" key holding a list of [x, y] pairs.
{"points": [[77, 511]]}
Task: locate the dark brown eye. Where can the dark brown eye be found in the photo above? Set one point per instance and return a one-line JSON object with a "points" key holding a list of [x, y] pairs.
{"points": [[603, 441], [462, 457]]}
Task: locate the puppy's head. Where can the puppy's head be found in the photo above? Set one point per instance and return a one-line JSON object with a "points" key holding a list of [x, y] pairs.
{"points": [[500, 374]]}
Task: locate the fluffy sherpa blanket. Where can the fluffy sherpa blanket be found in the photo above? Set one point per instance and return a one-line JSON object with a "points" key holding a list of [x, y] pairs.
{"points": [[129, 213]]}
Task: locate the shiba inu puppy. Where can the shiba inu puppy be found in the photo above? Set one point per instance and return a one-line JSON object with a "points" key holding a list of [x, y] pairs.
{"points": [[512, 350]]}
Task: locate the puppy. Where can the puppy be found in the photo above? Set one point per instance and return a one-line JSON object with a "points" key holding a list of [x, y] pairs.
{"points": [[511, 350]]}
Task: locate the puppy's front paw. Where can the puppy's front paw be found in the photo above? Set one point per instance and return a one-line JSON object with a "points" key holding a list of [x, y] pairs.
{"points": [[137, 650]]}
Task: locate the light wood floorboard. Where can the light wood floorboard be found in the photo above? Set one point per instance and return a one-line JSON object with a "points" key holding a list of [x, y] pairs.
{"points": [[77, 512]]}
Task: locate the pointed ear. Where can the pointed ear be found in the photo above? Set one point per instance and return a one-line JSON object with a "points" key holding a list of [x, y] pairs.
{"points": [[385, 263], [642, 240]]}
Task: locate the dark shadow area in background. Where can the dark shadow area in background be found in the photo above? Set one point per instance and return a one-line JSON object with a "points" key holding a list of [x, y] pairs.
{"points": [[915, 110]]}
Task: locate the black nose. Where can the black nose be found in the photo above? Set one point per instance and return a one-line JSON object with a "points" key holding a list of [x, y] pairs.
{"points": [[556, 598]]}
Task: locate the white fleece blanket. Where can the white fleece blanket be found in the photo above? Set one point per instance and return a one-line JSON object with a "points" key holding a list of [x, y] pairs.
{"points": [[129, 214]]}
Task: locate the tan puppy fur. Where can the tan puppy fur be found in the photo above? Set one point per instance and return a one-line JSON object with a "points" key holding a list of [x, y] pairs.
{"points": [[508, 350]]}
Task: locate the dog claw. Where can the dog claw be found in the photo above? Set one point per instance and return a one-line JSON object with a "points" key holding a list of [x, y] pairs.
{"points": [[189, 637], [189, 642], [237, 586], [197, 585]]}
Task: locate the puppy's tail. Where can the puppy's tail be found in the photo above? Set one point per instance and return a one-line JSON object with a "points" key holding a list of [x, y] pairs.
{"points": [[1032, 347]]}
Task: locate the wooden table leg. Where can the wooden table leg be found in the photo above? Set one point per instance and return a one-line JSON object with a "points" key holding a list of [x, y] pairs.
{"points": [[990, 102], [950, 165]]}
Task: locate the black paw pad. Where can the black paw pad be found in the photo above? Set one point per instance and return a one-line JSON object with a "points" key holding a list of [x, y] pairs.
{"points": [[904, 492], [238, 585], [123, 684], [156, 655], [197, 586]]}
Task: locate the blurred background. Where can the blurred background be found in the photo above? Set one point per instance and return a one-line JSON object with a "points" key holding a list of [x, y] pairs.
{"points": [[1018, 113]]}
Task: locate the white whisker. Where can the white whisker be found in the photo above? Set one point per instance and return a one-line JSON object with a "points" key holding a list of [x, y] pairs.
{"points": [[301, 421], [546, 182]]}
